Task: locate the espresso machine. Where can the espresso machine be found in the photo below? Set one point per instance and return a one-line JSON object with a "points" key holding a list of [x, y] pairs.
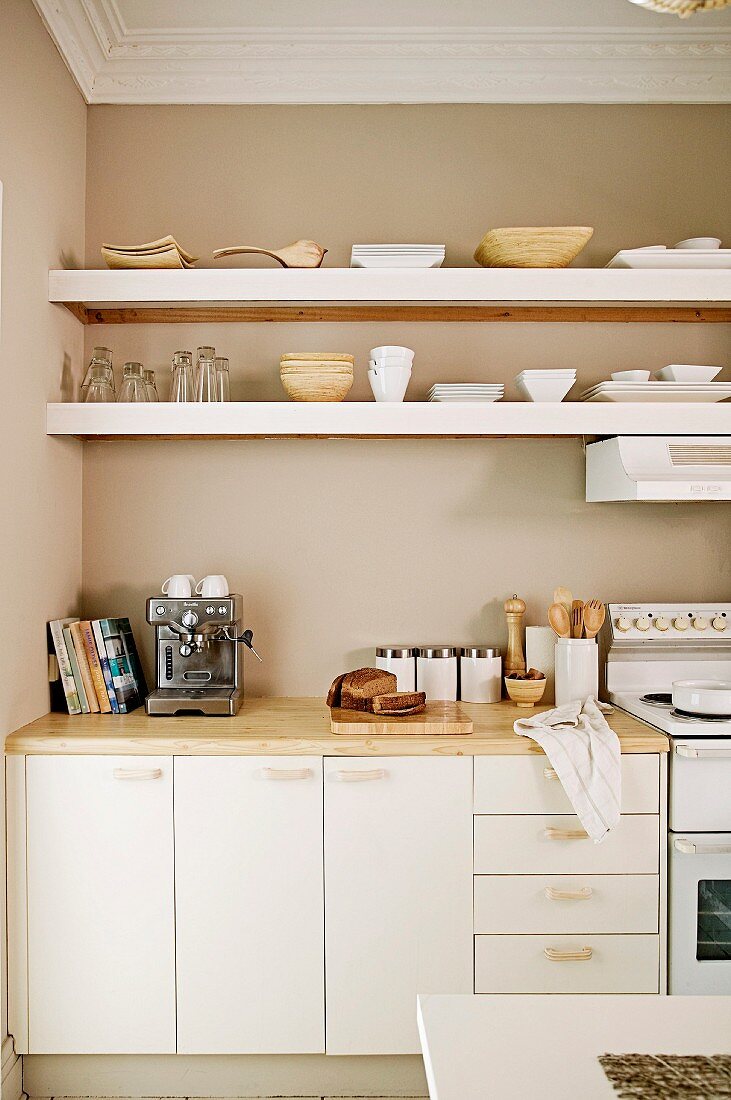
{"points": [[199, 665]]}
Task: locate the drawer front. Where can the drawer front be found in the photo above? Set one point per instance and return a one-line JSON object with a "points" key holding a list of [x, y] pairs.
{"points": [[608, 964], [565, 904], [528, 785], [532, 845]]}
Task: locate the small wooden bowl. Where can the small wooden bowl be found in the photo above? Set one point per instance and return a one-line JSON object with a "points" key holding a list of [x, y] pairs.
{"points": [[533, 246], [525, 693], [316, 381]]}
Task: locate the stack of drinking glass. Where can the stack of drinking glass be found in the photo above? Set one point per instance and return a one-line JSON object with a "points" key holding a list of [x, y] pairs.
{"points": [[208, 382]]}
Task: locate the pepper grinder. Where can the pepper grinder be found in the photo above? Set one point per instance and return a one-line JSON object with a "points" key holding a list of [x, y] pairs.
{"points": [[514, 657]]}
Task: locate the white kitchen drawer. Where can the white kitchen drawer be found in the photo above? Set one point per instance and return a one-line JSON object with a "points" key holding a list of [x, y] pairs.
{"points": [[518, 964], [525, 904], [528, 785], [527, 845]]}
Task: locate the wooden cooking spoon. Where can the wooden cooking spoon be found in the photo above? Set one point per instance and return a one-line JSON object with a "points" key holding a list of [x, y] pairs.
{"points": [[299, 254], [560, 620], [594, 615], [563, 596], [577, 618]]}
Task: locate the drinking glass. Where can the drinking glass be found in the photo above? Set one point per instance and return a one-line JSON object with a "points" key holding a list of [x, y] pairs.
{"points": [[222, 378], [100, 358], [206, 386], [182, 388], [149, 377], [134, 387], [98, 386], [205, 352]]}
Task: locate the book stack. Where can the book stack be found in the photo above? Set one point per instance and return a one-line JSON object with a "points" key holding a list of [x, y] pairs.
{"points": [[94, 666]]}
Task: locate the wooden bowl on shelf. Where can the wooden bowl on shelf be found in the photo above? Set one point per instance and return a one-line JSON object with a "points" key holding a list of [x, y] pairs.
{"points": [[316, 376], [525, 693], [532, 246]]}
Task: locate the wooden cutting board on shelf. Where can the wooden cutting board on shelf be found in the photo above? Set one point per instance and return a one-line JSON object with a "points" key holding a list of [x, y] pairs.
{"points": [[438, 719]]}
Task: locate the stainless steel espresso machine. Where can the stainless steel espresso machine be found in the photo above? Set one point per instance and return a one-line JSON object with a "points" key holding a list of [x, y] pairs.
{"points": [[199, 661]]}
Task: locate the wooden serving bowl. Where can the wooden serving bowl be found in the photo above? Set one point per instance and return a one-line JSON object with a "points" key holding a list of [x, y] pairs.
{"points": [[525, 693], [316, 381], [532, 246]]}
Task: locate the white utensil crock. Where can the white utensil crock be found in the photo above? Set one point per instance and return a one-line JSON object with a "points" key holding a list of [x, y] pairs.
{"points": [[577, 669]]}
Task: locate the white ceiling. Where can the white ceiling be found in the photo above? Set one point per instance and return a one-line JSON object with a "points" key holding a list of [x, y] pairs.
{"points": [[389, 51]]}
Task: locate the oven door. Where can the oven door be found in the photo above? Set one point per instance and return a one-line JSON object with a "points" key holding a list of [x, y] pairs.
{"points": [[700, 785], [700, 913]]}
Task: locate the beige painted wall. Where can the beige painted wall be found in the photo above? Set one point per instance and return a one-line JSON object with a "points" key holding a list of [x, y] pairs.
{"points": [[339, 545], [42, 159]]}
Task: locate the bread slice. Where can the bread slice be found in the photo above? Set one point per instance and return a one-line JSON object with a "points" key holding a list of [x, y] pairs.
{"points": [[399, 702], [359, 687], [333, 695]]}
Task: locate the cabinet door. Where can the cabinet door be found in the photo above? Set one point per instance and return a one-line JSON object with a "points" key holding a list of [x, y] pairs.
{"points": [[101, 927], [398, 895], [249, 905]]}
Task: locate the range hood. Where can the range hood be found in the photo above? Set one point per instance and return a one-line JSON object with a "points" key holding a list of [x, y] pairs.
{"points": [[678, 467]]}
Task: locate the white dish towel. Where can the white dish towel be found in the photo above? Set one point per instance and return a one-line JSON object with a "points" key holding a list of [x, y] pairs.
{"points": [[585, 754]]}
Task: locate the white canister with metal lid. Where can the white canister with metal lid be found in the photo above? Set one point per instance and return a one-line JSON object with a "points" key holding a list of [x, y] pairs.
{"points": [[436, 671], [401, 661], [480, 674]]}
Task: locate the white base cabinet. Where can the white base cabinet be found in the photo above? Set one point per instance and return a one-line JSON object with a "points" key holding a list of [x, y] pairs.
{"points": [[101, 921], [398, 895], [248, 903]]}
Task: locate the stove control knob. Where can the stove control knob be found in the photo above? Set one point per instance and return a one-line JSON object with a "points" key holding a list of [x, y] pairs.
{"points": [[643, 623], [662, 623], [189, 618], [700, 622], [623, 623], [680, 624], [719, 623]]}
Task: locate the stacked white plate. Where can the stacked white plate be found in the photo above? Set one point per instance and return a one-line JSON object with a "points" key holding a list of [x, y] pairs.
{"points": [[657, 256], [466, 391], [658, 391], [397, 255]]}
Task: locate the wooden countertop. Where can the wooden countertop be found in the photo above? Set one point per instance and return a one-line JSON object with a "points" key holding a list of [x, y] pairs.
{"points": [[291, 727]]}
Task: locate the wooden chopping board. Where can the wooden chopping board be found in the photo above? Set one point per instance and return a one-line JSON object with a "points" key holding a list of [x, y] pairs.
{"points": [[438, 719]]}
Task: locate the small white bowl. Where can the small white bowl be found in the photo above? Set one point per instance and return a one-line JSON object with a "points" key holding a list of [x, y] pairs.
{"points": [[391, 361], [391, 349], [543, 389], [700, 242], [687, 372], [631, 376], [389, 385]]}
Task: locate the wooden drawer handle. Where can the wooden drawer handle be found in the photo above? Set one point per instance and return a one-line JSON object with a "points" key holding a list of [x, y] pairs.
{"points": [[553, 833], [285, 773], [361, 776], [568, 895], [554, 955], [550, 773], [137, 773]]}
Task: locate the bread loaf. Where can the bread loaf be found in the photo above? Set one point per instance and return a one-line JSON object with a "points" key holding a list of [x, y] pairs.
{"points": [[359, 687], [399, 702]]}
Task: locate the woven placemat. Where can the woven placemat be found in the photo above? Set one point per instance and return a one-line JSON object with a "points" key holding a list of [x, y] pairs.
{"points": [[668, 1076]]}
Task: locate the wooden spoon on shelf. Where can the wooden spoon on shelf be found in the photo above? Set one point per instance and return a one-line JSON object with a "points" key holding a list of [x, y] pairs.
{"points": [[563, 596], [560, 620], [299, 254], [577, 618], [594, 615]]}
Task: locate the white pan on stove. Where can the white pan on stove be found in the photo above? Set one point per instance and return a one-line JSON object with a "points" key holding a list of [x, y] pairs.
{"points": [[703, 696]]}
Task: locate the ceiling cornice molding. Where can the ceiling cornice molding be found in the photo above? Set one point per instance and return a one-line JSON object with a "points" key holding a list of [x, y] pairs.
{"points": [[114, 64]]}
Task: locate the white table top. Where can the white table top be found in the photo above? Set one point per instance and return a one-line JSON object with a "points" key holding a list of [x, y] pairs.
{"points": [[519, 1046]]}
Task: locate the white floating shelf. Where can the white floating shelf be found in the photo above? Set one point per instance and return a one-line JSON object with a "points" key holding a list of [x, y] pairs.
{"points": [[355, 419], [103, 296]]}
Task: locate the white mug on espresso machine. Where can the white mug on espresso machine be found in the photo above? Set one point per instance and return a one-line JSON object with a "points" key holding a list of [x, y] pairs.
{"points": [[214, 586]]}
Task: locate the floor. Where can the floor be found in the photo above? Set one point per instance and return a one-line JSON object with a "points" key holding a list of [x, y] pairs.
{"points": [[233, 1098]]}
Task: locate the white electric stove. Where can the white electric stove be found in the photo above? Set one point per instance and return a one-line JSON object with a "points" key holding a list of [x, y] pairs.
{"points": [[646, 647]]}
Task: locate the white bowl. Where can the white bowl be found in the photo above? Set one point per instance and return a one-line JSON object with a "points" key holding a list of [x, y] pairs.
{"points": [[391, 361], [700, 242], [389, 385], [631, 376], [391, 349], [702, 696], [687, 372], [543, 389]]}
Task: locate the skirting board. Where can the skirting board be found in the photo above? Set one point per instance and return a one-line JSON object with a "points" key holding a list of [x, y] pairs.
{"points": [[183, 1075], [12, 1072]]}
